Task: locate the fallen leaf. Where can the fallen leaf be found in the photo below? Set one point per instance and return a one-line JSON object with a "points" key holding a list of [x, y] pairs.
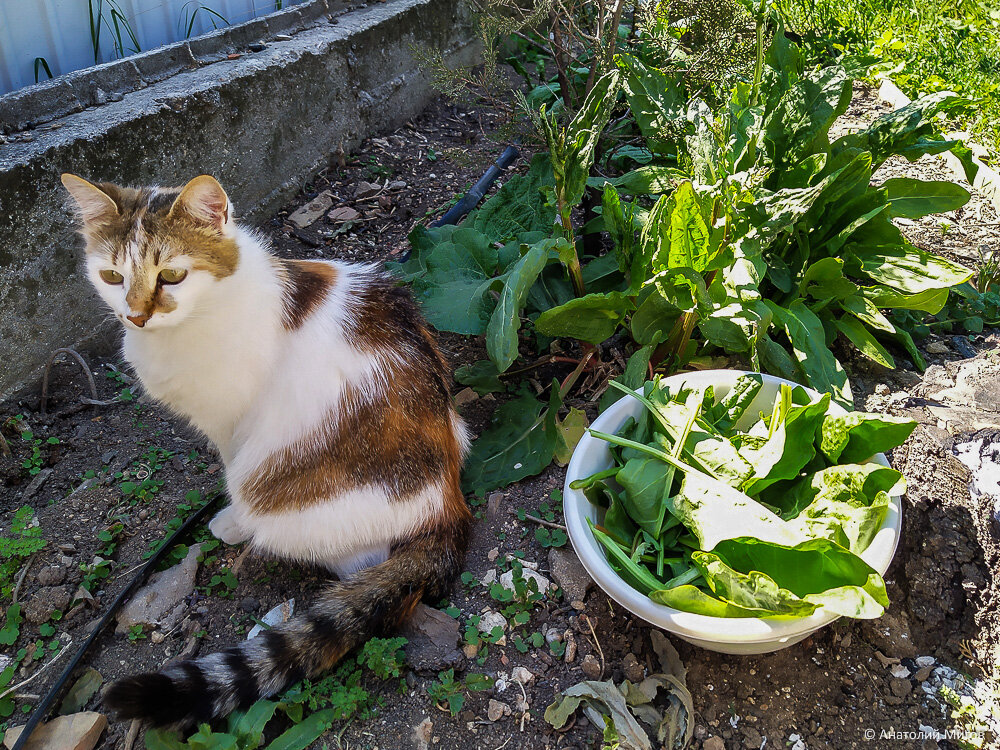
{"points": [[81, 692]]}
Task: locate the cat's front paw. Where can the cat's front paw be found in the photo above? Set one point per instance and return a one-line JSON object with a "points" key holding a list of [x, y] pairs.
{"points": [[226, 528]]}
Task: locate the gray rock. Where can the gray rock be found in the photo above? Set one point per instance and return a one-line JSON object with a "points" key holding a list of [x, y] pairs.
{"points": [[309, 213], [432, 641], [36, 484], [45, 602], [366, 190], [569, 573], [543, 583], [634, 671], [160, 603], [51, 575], [497, 710], [591, 667], [963, 347], [250, 604], [936, 347], [900, 687]]}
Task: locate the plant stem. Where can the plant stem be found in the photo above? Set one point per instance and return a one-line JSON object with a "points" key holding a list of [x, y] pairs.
{"points": [[573, 266]]}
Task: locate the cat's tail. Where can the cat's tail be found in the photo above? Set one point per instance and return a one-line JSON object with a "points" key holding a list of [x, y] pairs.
{"points": [[375, 601]]}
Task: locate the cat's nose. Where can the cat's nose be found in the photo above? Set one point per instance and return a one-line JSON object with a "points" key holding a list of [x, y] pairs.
{"points": [[139, 319]]}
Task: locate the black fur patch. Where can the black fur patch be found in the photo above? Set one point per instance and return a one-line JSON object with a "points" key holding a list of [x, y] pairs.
{"points": [[244, 681]]}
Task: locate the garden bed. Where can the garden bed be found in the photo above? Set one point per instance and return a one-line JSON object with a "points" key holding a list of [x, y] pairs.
{"points": [[827, 692]]}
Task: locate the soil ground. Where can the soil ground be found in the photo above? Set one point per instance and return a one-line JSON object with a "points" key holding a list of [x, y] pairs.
{"points": [[849, 682]]}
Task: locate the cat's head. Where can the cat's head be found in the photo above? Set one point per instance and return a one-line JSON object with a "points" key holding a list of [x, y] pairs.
{"points": [[154, 253]]}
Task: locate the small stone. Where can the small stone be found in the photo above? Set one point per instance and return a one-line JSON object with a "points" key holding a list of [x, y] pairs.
{"points": [[51, 575], [882, 389], [591, 667], [307, 214], [925, 661], [900, 687], [714, 743], [45, 602], [157, 637], [488, 579], [923, 674], [497, 710], [343, 214], [634, 671], [523, 675], [73, 732], [543, 583], [397, 185], [493, 501], [366, 190], [36, 484], [432, 638], [553, 635], [570, 640], [470, 650], [569, 573], [67, 549], [422, 734], [465, 397], [936, 347], [256, 46], [250, 604], [161, 601], [900, 671], [493, 554], [490, 620], [963, 347]]}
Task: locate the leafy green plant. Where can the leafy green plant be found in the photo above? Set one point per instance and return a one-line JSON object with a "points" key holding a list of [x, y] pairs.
{"points": [[765, 521], [25, 539], [34, 461], [139, 482], [744, 230], [222, 584], [135, 633], [450, 692], [384, 657]]}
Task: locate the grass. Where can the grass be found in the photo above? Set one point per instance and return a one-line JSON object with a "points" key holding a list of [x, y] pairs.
{"points": [[926, 47]]}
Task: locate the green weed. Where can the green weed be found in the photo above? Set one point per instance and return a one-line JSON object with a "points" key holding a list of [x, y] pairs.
{"points": [[451, 692], [25, 539]]}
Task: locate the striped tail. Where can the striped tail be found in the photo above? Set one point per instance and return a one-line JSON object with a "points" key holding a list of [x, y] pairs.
{"points": [[374, 602]]}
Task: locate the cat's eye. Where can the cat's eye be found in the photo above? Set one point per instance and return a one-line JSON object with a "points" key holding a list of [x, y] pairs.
{"points": [[173, 275], [110, 276]]}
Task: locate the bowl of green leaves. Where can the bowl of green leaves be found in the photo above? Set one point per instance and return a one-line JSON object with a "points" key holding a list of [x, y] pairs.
{"points": [[737, 510]]}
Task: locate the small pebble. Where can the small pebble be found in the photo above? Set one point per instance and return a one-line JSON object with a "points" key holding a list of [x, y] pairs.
{"points": [[250, 604], [591, 667]]}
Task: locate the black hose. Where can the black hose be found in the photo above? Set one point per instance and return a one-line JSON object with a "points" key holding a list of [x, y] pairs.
{"points": [[42, 708], [472, 198]]}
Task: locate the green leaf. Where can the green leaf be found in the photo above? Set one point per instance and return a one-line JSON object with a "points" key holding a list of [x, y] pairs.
{"points": [[519, 443], [655, 99], [592, 318], [636, 370], [913, 199], [930, 301], [11, 626], [652, 179], [304, 733], [571, 429], [866, 343], [688, 233], [822, 370], [907, 268], [482, 376], [793, 580], [653, 319], [518, 206], [249, 725], [824, 280], [790, 447], [161, 739], [81, 692], [692, 599], [505, 322], [857, 436]]}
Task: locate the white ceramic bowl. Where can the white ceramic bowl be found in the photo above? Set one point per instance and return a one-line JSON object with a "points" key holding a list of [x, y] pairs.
{"points": [[728, 635]]}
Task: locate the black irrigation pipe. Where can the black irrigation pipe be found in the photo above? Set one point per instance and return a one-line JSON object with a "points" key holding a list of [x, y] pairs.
{"points": [[42, 708], [471, 199]]}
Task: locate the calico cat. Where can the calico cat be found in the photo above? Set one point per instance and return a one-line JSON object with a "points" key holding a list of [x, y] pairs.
{"points": [[328, 401]]}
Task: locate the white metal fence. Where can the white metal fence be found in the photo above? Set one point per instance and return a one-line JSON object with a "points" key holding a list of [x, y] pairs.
{"points": [[39, 37]]}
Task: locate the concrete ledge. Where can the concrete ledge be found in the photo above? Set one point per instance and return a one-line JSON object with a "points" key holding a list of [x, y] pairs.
{"points": [[261, 124], [49, 100]]}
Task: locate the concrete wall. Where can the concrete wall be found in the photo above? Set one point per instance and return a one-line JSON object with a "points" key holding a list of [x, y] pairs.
{"points": [[260, 123]]}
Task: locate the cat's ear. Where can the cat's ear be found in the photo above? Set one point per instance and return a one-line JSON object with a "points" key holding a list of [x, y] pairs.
{"points": [[204, 201], [93, 204]]}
